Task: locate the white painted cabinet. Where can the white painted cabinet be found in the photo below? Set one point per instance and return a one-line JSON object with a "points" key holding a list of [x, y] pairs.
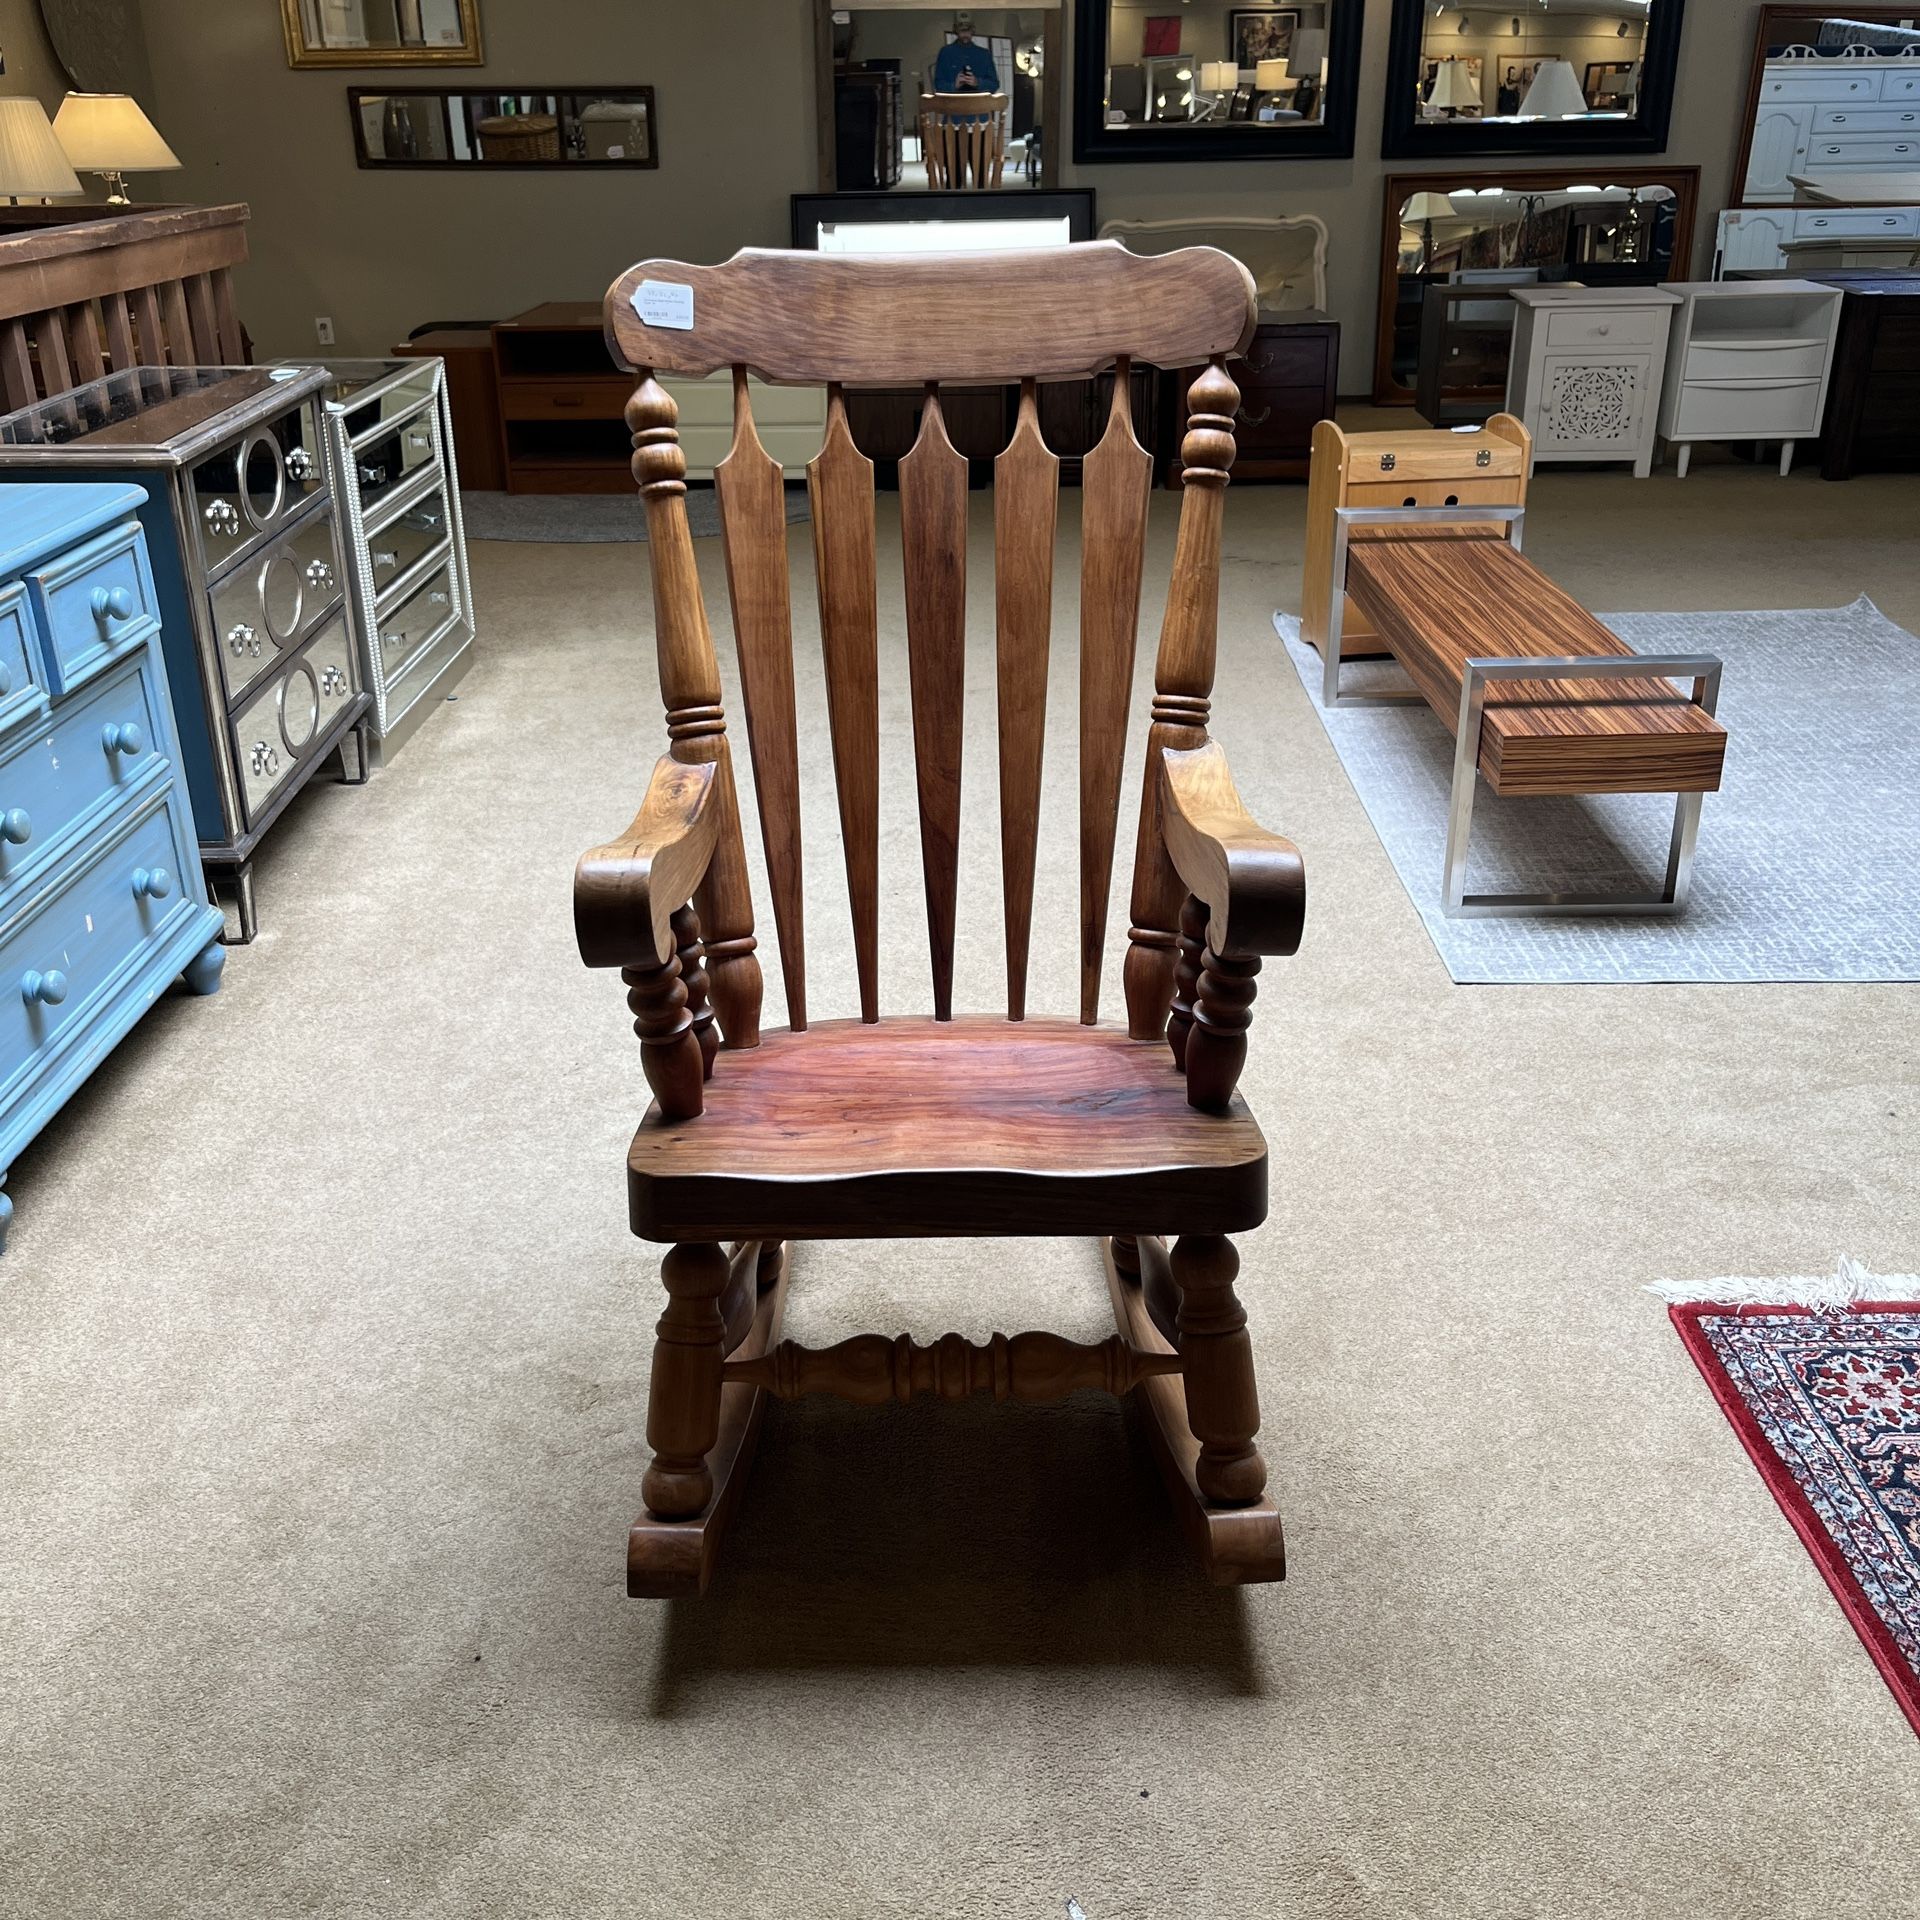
{"points": [[1832, 115], [1782, 131]]}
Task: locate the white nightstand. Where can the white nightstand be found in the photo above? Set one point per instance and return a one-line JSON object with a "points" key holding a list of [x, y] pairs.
{"points": [[1748, 360], [1585, 371]]}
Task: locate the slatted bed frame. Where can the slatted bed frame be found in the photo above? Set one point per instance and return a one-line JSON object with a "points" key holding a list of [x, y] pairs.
{"points": [[1540, 697]]}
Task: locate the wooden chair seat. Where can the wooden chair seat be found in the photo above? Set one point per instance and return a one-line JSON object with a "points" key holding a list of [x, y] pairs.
{"points": [[853, 1130]]}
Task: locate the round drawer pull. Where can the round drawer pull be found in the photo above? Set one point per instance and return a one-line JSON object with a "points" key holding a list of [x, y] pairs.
{"points": [[151, 883], [122, 736], [320, 573], [16, 826], [265, 760], [112, 603], [44, 989], [222, 517], [300, 463], [241, 639]]}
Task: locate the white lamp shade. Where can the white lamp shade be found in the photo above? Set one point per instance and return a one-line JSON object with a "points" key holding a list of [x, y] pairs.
{"points": [[1454, 86], [1218, 76], [1555, 93], [108, 132], [1270, 75], [31, 161], [1427, 206]]}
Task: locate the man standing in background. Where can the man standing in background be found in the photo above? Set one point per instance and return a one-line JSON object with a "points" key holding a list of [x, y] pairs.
{"points": [[962, 66]]}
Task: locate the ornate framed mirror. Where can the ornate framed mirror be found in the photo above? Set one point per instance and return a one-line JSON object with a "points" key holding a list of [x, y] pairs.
{"points": [[382, 33], [1533, 77], [1599, 225]]}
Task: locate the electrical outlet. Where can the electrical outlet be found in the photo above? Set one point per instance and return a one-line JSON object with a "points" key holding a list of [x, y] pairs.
{"points": [[323, 329]]}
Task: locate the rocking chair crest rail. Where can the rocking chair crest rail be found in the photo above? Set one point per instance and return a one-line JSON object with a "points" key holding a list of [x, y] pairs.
{"points": [[913, 1126]]}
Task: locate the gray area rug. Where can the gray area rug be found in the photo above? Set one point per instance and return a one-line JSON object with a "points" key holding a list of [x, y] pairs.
{"points": [[590, 516], [1806, 867]]}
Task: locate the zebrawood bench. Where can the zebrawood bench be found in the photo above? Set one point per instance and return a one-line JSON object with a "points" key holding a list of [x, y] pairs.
{"points": [[1541, 698]]}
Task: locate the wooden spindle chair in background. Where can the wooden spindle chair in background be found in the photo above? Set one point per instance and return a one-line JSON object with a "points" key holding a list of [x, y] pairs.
{"points": [[963, 138], [908, 1126]]}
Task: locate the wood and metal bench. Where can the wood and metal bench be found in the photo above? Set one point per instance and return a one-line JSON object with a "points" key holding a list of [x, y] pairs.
{"points": [[1541, 698]]}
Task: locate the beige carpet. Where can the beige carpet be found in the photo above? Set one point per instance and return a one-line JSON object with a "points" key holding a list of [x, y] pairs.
{"points": [[322, 1352]]}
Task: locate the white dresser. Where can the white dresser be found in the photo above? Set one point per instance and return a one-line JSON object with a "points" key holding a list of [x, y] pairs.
{"points": [[1747, 360], [1585, 371]]}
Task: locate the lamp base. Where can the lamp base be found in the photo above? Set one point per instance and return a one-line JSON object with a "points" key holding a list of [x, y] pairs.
{"points": [[116, 184]]}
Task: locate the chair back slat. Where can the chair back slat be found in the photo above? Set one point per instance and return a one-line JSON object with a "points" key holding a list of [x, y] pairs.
{"points": [[50, 342], [226, 318], [120, 348], [173, 306], [200, 315], [933, 542], [1115, 480], [149, 327], [1026, 493], [749, 488], [840, 487], [16, 365], [84, 357]]}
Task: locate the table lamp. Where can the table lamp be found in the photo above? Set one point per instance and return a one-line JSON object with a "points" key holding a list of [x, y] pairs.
{"points": [[1554, 95], [30, 158], [1454, 87], [1426, 208], [108, 134]]}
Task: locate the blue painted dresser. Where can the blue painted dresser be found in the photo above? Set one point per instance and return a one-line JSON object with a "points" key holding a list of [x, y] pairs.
{"points": [[102, 900]]}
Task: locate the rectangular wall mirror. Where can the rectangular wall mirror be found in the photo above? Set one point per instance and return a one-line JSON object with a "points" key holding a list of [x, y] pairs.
{"points": [[1160, 80], [382, 33], [1545, 77], [1599, 226], [532, 127]]}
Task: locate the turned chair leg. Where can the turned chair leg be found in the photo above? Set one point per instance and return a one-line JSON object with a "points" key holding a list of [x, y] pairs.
{"points": [[683, 1408], [1223, 1404]]}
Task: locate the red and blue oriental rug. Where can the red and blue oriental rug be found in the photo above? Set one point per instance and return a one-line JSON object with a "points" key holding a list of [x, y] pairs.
{"points": [[1822, 1384]]}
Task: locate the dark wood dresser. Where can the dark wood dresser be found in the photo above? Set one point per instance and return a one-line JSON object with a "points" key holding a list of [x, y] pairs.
{"points": [[1286, 388], [1873, 396]]}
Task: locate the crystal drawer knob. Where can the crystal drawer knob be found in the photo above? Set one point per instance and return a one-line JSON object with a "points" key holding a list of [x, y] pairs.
{"points": [[265, 760], [122, 736], [151, 883], [43, 989], [111, 603], [222, 516], [386, 557], [418, 439], [16, 826], [371, 476], [241, 639], [333, 682], [319, 573], [438, 600], [300, 464]]}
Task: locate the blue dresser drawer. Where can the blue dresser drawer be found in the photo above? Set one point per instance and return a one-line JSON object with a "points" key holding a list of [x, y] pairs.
{"points": [[92, 602], [88, 931], [96, 746], [20, 693]]}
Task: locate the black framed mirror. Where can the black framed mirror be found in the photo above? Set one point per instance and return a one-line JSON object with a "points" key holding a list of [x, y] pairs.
{"points": [[518, 127], [1162, 80], [1533, 77]]}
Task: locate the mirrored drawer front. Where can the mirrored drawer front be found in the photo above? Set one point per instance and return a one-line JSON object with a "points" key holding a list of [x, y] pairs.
{"points": [[381, 463], [415, 621], [1706, 361], [255, 484], [394, 549], [92, 600], [265, 607], [1610, 327], [19, 696], [1746, 411], [96, 745], [57, 961], [278, 729], [367, 413]]}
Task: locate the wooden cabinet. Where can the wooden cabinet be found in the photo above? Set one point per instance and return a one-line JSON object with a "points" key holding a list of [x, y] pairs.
{"points": [[1873, 397], [1286, 387]]}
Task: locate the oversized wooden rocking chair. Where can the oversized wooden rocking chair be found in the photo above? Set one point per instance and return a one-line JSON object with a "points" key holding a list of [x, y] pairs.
{"points": [[909, 1126]]}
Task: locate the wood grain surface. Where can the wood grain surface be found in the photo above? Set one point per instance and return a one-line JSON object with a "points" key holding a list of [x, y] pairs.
{"points": [[1439, 603], [974, 1126], [796, 317]]}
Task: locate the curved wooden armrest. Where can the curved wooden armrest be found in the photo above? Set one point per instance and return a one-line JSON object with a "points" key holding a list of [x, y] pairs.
{"points": [[1253, 882], [625, 893]]}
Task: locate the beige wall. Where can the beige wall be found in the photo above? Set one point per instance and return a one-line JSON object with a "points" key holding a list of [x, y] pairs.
{"points": [[383, 252]]}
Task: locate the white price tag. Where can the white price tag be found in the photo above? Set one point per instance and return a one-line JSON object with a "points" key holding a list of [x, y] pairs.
{"points": [[664, 303]]}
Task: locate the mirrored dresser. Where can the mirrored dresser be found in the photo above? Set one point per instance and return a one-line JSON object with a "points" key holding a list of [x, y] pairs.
{"points": [[390, 448], [241, 527]]}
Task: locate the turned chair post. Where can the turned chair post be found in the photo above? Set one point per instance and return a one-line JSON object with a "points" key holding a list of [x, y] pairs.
{"points": [[696, 720], [1223, 1404], [1182, 692], [683, 1410]]}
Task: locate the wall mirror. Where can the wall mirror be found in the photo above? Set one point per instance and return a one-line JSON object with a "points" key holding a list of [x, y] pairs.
{"points": [[1599, 226], [919, 98], [1163, 80], [382, 33], [533, 127], [1540, 77]]}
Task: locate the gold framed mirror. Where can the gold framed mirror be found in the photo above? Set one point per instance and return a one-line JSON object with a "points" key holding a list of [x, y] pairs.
{"points": [[382, 33]]}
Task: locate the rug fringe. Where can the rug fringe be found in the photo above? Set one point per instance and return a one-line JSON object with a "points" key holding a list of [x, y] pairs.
{"points": [[1847, 1285]]}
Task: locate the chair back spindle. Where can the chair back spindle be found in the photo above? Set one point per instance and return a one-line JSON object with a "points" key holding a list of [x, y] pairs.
{"points": [[935, 323]]}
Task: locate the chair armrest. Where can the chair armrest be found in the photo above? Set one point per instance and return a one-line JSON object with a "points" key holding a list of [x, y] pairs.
{"points": [[1254, 883], [625, 894]]}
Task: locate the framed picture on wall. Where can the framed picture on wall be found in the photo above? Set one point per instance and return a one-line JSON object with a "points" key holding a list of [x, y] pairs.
{"points": [[1161, 35], [1260, 33]]}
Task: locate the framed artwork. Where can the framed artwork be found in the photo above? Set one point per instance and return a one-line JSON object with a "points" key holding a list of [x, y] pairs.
{"points": [[1160, 36], [1260, 33]]}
